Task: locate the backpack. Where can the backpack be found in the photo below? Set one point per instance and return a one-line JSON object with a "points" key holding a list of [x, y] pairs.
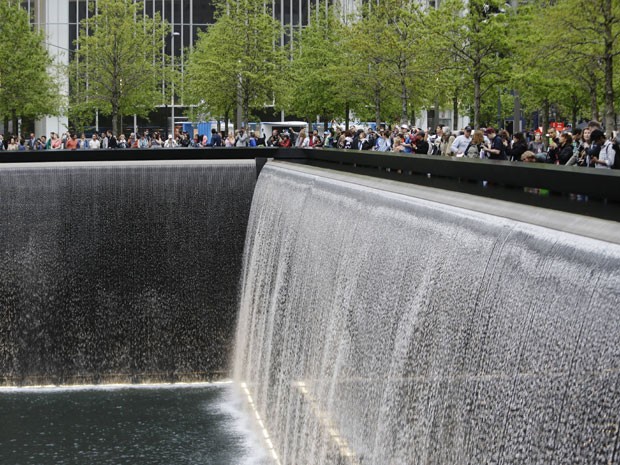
{"points": [[616, 148]]}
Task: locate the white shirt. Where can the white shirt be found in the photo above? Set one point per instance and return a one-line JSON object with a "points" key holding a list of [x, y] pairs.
{"points": [[94, 144], [460, 144], [607, 155]]}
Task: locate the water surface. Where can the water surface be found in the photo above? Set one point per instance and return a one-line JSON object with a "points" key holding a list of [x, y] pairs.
{"points": [[134, 426]]}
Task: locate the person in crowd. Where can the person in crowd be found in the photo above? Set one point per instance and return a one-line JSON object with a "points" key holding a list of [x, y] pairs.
{"points": [[314, 139], [447, 139], [72, 142], [303, 141], [594, 149], [55, 142], [230, 141], [347, 140], [580, 157], [285, 141], [577, 139], [144, 142], [122, 142], [561, 152], [553, 139], [383, 143], [372, 137], [529, 157], [274, 139], [420, 144], [476, 145], [156, 141], [216, 139], [82, 142], [406, 139], [434, 141], [242, 138], [518, 148], [607, 155], [112, 140], [496, 148], [95, 143], [21, 145], [398, 145], [39, 144], [12, 144], [196, 142], [461, 142], [184, 140], [252, 141], [31, 141], [132, 142], [170, 142], [328, 139], [363, 143], [537, 145]]}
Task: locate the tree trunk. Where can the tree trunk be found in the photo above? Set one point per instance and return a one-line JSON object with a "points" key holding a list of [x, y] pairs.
{"points": [[610, 114], [377, 106], [15, 122], [477, 99], [115, 118], [593, 104], [574, 110], [544, 120], [346, 116], [404, 100], [455, 112]]}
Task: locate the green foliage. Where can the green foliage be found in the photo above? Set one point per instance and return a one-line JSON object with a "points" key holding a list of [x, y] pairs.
{"points": [[236, 60], [315, 72], [27, 89], [391, 59], [476, 36], [118, 67]]}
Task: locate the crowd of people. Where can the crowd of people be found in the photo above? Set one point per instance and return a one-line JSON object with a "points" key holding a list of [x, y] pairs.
{"points": [[588, 147]]}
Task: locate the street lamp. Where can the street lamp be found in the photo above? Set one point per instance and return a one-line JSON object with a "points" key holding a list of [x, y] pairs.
{"points": [[174, 34]]}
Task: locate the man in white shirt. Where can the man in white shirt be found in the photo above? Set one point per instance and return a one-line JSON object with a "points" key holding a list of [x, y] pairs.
{"points": [[95, 143], [242, 138], [461, 143], [607, 155], [170, 142]]}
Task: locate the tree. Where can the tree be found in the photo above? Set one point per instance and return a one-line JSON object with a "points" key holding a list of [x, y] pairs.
{"points": [[316, 68], [27, 86], [396, 41], [236, 62], [594, 37], [477, 33], [117, 66]]}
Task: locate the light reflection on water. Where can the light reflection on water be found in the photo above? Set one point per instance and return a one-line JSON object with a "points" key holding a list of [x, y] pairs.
{"points": [[161, 424]]}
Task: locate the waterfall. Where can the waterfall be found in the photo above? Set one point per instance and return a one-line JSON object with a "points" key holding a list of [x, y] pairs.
{"points": [[120, 271], [380, 328]]}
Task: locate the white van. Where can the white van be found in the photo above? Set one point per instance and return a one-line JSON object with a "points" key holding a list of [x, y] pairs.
{"points": [[267, 128]]}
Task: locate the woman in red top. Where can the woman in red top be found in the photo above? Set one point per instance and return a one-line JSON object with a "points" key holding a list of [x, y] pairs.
{"points": [[286, 141], [72, 142]]}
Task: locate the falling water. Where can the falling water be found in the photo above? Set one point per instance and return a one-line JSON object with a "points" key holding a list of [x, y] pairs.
{"points": [[377, 328], [120, 272]]}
